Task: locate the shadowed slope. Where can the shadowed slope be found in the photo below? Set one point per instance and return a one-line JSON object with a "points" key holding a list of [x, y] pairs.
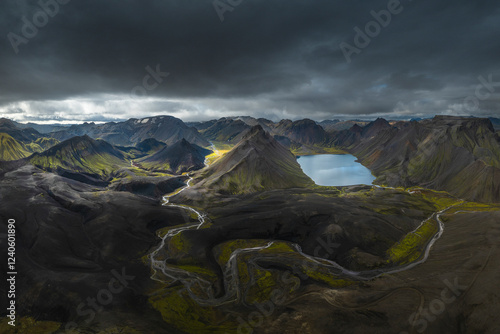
{"points": [[177, 158], [81, 155], [256, 163], [459, 155], [167, 129]]}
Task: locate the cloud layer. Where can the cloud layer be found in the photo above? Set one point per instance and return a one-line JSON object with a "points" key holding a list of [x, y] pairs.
{"points": [[274, 59]]}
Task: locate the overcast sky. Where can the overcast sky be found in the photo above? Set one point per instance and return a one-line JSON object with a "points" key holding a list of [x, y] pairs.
{"points": [[91, 60]]}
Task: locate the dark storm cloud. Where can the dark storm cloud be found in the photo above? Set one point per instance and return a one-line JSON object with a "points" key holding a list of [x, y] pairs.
{"points": [[268, 58]]}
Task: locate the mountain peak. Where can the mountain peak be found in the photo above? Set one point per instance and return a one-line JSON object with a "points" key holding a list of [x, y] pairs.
{"points": [[5, 122], [375, 127], [257, 163], [255, 131], [82, 154], [177, 158], [381, 122], [356, 128]]}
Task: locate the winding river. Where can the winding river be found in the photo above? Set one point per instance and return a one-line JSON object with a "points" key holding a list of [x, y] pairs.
{"points": [[164, 273]]}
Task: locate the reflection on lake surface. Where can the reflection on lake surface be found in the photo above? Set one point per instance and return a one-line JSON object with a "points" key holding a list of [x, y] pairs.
{"points": [[335, 170]]}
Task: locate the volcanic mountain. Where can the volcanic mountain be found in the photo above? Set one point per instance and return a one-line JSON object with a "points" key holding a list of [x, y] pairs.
{"points": [[178, 158], [226, 130], [458, 155], [150, 145], [81, 155], [11, 149], [231, 129], [258, 162], [146, 147], [167, 129], [304, 131], [22, 135]]}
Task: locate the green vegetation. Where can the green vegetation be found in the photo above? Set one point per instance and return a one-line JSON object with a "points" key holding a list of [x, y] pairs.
{"points": [[471, 207], [28, 325], [102, 165], [223, 251], [440, 199], [257, 163], [263, 284], [44, 143], [222, 146], [327, 278], [118, 330], [259, 283], [315, 150], [410, 247], [276, 175], [178, 244], [211, 158], [81, 155], [11, 149], [177, 308]]}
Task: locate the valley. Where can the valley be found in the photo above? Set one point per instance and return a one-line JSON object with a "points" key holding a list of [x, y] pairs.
{"points": [[223, 231]]}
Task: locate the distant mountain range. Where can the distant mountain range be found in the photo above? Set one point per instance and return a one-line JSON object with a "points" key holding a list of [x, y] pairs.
{"points": [[163, 128], [458, 154], [24, 135]]}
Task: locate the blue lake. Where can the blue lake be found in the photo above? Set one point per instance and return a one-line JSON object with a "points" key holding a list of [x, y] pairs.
{"points": [[335, 170]]}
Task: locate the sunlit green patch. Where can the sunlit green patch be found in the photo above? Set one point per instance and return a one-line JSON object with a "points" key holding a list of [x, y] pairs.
{"points": [[440, 199], [410, 247], [221, 146], [103, 165], [474, 207], [211, 158], [11, 149], [316, 150]]}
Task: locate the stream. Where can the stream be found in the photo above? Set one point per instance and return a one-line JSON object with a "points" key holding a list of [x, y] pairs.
{"points": [[190, 279]]}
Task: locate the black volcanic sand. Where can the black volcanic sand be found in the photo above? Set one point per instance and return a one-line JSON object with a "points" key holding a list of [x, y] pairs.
{"points": [[465, 255], [302, 216], [72, 235], [150, 186]]}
